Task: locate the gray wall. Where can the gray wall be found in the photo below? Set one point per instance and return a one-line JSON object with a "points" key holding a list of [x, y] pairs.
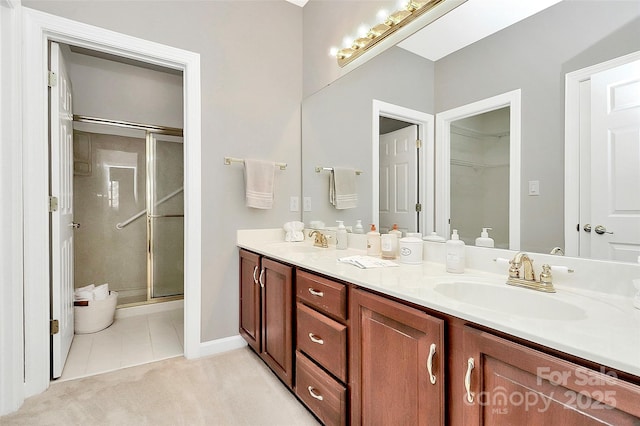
{"points": [[535, 55], [251, 66], [337, 125]]}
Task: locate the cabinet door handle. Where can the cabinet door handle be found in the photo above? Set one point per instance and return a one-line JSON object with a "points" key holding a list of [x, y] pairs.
{"points": [[316, 292], [467, 379], [432, 352], [313, 393], [316, 339], [260, 279], [255, 271]]}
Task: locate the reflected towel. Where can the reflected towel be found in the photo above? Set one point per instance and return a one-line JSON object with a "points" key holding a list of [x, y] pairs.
{"points": [[258, 177], [342, 188]]}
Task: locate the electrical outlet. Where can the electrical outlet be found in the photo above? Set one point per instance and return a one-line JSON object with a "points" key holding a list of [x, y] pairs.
{"points": [[307, 204], [294, 204]]}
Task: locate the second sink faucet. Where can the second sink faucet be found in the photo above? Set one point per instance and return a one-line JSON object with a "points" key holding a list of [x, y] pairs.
{"points": [[522, 263]]}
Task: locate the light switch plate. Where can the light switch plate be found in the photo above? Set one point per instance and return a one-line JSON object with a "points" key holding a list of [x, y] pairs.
{"points": [[534, 187], [306, 204], [294, 203]]}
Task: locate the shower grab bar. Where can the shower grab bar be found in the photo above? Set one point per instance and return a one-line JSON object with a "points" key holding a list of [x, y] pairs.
{"points": [[141, 213]]}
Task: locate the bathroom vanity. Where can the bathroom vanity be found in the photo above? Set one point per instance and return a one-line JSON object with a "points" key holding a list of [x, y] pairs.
{"points": [[414, 344]]}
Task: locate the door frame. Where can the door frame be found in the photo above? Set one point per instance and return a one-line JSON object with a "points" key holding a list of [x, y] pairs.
{"points": [[425, 123], [572, 146], [444, 119], [38, 29]]}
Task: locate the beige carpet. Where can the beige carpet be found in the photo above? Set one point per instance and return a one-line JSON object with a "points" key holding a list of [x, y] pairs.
{"points": [[234, 388]]}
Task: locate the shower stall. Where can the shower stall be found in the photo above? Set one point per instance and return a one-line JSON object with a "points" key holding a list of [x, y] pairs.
{"points": [[129, 202]]}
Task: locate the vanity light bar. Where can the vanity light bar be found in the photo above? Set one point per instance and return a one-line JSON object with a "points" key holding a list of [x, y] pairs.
{"points": [[379, 32]]}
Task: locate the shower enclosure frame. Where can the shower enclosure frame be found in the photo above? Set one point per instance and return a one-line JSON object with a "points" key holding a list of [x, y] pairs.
{"points": [[150, 132]]}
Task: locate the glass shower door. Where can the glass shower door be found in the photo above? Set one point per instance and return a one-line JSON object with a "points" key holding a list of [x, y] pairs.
{"points": [[165, 219]]}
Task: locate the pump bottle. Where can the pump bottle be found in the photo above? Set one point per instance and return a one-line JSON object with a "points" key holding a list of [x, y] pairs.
{"points": [[373, 242], [484, 240], [455, 248], [341, 236]]}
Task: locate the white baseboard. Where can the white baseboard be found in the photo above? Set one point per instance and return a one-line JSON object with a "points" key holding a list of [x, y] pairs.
{"points": [[225, 344]]}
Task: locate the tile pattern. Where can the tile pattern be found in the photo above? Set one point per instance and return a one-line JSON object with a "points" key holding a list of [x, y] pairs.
{"points": [[127, 342]]}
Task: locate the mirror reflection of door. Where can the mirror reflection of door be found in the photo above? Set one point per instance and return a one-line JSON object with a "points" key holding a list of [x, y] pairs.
{"points": [[479, 180], [613, 184], [398, 175]]}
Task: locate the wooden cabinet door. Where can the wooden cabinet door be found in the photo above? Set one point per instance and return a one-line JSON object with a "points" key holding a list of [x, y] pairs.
{"points": [[250, 299], [510, 384], [277, 306], [390, 367]]}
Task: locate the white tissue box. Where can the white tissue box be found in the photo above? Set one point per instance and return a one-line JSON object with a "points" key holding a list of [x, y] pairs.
{"points": [[96, 316]]}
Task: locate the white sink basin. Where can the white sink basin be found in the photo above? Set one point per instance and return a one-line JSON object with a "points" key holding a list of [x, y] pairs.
{"points": [[511, 300]]}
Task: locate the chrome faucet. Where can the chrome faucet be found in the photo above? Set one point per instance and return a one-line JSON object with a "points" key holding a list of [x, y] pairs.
{"points": [[320, 240], [522, 274]]}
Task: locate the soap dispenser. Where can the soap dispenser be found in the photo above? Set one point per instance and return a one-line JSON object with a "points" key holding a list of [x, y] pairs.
{"points": [[341, 236], [373, 242], [484, 240], [455, 254]]}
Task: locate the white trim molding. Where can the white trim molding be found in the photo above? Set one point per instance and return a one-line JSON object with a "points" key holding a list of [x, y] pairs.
{"points": [[224, 344], [425, 123], [40, 28], [443, 159], [11, 249]]}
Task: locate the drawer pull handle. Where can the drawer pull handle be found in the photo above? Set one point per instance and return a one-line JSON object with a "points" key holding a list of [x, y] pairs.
{"points": [[316, 339], [313, 393], [467, 380], [260, 279], [255, 271], [432, 352], [316, 292]]}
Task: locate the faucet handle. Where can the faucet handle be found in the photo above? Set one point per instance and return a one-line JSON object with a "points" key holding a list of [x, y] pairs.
{"points": [[545, 276]]}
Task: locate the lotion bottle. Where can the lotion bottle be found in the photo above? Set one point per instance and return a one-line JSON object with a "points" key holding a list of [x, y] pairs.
{"points": [[455, 254], [398, 233], [373, 242], [341, 236], [484, 240]]}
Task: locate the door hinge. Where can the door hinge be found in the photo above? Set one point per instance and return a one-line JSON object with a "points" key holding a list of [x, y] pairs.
{"points": [[52, 79], [55, 327], [418, 207], [418, 143], [53, 204]]}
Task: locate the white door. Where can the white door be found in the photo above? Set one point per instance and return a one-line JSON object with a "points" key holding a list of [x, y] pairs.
{"points": [[399, 179], [62, 226], [615, 163]]}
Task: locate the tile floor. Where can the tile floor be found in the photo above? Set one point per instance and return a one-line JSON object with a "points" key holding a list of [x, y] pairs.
{"points": [[129, 341]]}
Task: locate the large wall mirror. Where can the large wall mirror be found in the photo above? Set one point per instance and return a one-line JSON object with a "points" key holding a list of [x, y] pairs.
{"points": [[533, 56]]}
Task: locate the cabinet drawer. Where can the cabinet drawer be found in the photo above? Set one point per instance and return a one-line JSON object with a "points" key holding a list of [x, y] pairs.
{"points": [[325, 295], [322, 394], [323, 339]]}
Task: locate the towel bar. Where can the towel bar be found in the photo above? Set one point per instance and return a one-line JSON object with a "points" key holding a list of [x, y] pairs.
{"points": [[229, 160], [329, 169]]}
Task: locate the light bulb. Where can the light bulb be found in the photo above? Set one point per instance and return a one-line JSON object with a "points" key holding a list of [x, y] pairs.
{"points": [[382, 14], [363, 30], [347, 41], [333, 51]]}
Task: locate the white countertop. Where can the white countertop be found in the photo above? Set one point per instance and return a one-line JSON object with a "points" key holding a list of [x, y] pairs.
{"points": [[599, 327]]}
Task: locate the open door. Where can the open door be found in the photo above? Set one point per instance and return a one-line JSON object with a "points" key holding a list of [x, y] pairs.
{"points": [[61, 207]]}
